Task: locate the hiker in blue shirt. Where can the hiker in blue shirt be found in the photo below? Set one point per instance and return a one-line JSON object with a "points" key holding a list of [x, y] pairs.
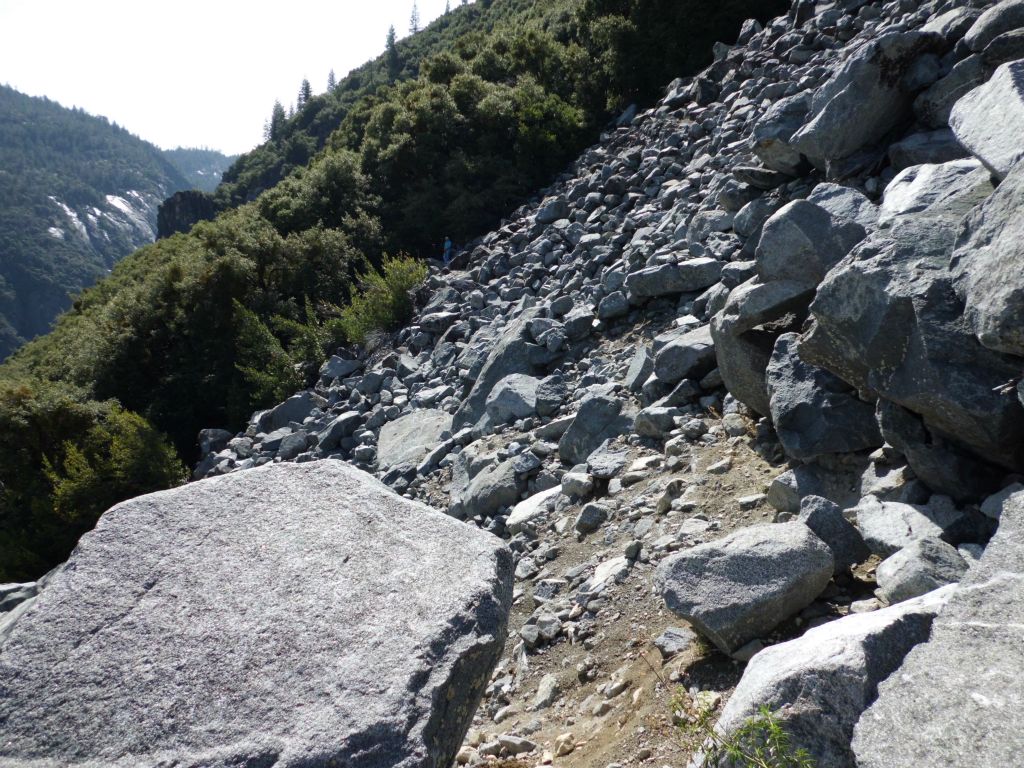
{"points": [[447, 250]]}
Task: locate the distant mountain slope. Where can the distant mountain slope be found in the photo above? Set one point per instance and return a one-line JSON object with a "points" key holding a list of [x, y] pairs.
{"points": [[202, 168], [77, 193]]}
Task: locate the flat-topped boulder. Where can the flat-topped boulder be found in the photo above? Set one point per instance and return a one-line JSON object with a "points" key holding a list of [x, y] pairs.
{"points": [[292, 615], [407, 440], [956, 700]]}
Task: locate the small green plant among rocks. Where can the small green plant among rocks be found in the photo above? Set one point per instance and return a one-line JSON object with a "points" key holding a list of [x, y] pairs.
{"points": [[761, 742]]}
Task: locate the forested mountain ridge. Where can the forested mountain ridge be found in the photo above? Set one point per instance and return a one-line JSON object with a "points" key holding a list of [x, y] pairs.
{"points": [[201, 167], [200, 329], [77, 193]]}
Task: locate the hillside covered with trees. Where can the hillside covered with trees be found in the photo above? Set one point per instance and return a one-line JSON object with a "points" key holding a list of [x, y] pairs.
{"points": [[77, 193], [442, 135]]}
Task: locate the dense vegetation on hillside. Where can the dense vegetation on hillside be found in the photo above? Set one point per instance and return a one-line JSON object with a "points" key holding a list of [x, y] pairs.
{"points": [[201, 168], [59, 232], [482, 107]]}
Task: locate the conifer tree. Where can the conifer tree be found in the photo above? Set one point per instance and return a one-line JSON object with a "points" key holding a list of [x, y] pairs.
{"points": [[447, 7], [305, 93], [414, 19], [332, 81], [275, 128], [391, 56]]}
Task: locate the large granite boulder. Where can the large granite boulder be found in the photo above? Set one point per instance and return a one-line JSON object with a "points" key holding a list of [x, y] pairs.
{"points": [[988, 266], [988, 120], [887, 321], [815, 412], [292, 615], [957, 699], [997, 20], [507, 354], [774, 131], [599, 418], [665, 279], [802, 241], [920, 567], [741, 587], [822, 682], [865, 99], [514, 397], [407, 440]]}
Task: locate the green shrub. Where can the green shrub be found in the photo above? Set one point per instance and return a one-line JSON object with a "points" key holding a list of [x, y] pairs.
{"points": [[66, 461], [760, 741], [383, 301]]}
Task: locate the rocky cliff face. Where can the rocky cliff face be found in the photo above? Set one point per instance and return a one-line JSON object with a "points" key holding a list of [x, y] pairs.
{"points": [[183, 210], [751, 366]]}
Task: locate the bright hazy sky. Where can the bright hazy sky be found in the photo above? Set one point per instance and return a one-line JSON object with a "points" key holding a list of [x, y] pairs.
{"points": [[191, 73]]}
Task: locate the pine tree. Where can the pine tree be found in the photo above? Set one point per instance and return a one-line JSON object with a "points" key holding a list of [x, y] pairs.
{"points": [[275, 129], [414, 19], [305, 93], [332, 81], [447, 7], [391, 56]]}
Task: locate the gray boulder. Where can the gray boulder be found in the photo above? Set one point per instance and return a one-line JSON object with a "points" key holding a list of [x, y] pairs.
{"points": [[514, 397], [741, 587], [407, 440], [928, 147], [296, 408], [745, 330], [1008, 47], [889, 526], [599, 418], [944, 193], [552, 210], [551, 393], [864, 100], [232, 622], [338, 368], [988, 119], [340, 427], [887, 321], [802, 241], [815, 412], [665, 279], [494, 487], [508, 354], [640, 369], [528, 510], [845, 203], [920, 567], [656, 421], [956, 700], [773, 134], [829, 524], [988, 267], [1002, 17], [823, 681], [689, 355], [933, 106]]}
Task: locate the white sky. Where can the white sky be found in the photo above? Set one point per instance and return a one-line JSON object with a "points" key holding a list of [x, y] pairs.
{"points": [[191, 73]]}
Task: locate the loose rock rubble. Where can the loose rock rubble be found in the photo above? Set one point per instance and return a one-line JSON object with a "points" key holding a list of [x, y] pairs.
{"points": [[788, 296]]}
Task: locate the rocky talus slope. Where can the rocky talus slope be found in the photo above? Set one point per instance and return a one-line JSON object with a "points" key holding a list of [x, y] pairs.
{"points": [[742, 395]]}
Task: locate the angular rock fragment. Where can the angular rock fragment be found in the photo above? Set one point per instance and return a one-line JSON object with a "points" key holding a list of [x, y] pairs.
{"points": [[822, 682], [921, 566], [988, 120], [743, 586], [956, 700], [814, 412], [409, 439], [231, 622]]}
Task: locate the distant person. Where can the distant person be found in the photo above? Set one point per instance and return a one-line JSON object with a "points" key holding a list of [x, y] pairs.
{"points": [[447, 251]]}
